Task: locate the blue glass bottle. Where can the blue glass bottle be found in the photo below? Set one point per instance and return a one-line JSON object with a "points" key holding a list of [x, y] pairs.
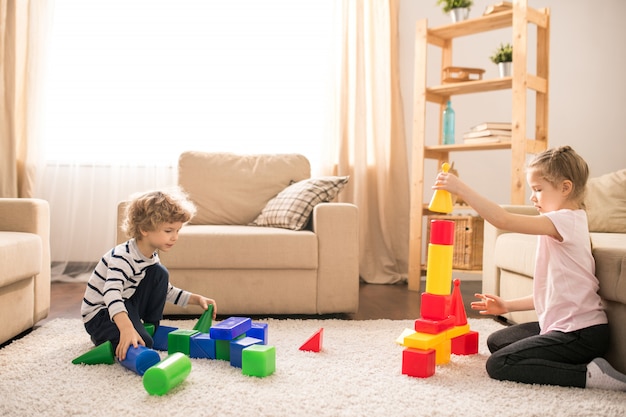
{"points": [[448, 125]]}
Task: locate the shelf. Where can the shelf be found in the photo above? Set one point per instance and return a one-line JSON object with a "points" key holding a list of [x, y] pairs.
{"points": [[468, 27], [520, 84], [439, 151]]}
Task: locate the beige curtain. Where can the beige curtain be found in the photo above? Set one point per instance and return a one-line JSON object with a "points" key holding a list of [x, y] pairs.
{"points": [[22, 25], [367, 138]]}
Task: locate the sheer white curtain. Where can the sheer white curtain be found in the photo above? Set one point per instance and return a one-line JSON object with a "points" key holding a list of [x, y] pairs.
{"points": [[132, 83]]}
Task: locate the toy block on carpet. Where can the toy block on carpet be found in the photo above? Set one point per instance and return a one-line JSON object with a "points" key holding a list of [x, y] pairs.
{"points": [[149, 328], [435, 307], [457, 331], [466, 344], [139, 359], [443, 352], [424, 341], [205, 321], [258, 360], [230, 328], [419, 363], [101, 354], [165, 375], [160, 337], [405, 333], [433, 326], [237, 347], [314, 343], [178, 341], [259, 331], [457, 309], [201, 346]]}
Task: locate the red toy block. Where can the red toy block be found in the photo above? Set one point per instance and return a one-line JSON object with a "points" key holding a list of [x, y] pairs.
{"points": [[442, 232], [435, 307], [456, 306], [314, 344], [466, 344], [419, 363], [433, 326]]}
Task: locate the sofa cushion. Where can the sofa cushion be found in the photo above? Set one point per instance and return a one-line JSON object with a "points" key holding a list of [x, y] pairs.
{"points": [[609, 251], [233, 189], [20, 256], [293, 206], [605, 202], [516, 252], [242, 247]]}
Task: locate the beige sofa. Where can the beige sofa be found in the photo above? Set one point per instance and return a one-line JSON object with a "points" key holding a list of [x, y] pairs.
{"points": [[25, 264], [509, 258], [255, 270]]}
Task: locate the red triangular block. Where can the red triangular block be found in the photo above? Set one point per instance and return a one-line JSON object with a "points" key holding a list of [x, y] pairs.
{"points": [[457, 309], [314, 344]]}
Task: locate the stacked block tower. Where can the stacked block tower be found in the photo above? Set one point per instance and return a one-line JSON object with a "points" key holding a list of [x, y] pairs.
{"points": [[442, 328]]}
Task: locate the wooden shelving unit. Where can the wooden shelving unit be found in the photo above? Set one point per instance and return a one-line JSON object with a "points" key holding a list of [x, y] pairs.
{"points": [[520, 84]]}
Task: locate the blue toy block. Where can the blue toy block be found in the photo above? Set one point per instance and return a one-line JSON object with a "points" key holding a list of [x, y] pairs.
{"points": [[201, 346], [237, 346], [258, 331], [160, 337], [139, 359], [230, 328]]}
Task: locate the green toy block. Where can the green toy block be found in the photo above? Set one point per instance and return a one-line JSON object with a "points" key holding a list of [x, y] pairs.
{"points": [[206, 320], [222, 350], [103, 353], [149, 328], [258, 360], [178, 341]]}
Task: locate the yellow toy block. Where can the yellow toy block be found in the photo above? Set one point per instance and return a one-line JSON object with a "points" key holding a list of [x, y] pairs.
{"points": [[439, 269], [443, 352], [405, 333], [424, 341], [457, 331]]}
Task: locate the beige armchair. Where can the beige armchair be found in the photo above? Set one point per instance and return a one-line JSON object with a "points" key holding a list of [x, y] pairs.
{"points": [[251, 269], [24, 264]]}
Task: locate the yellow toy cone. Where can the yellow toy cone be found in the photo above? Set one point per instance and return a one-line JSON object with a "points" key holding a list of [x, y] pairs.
{"points": [[441, 202]]}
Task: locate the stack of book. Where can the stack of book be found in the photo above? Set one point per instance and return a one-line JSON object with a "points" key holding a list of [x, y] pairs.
{"points": [[488, 132]]}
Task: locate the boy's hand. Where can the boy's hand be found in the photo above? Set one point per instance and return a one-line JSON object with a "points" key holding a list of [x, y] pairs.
{"points": [[128, 335], [203, 302]]}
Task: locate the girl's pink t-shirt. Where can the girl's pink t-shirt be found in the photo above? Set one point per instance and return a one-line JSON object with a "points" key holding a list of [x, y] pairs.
{"points": [[565, 287]]}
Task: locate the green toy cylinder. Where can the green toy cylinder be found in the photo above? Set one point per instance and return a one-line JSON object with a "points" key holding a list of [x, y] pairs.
{"points": [[167, 374]]}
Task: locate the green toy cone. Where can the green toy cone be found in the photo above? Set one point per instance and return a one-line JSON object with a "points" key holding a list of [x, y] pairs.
{"points": [[102, 353], [206, 320]]}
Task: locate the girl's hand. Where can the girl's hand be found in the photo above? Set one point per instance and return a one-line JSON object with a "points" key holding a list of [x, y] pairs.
{"points": [[203, 302], [448, 182], [489, 304]]}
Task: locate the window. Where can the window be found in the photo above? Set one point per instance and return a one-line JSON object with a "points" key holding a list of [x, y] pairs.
{"points": [[140, 81]]}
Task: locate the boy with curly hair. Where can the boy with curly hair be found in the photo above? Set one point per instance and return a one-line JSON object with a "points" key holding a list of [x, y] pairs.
{"points": [[129, 286]]}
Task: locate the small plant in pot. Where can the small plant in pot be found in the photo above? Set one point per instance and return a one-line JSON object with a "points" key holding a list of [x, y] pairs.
{"points": [[458, 9], [503, 56]]}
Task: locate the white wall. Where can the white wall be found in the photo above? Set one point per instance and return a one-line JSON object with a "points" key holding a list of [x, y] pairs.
{"points": [[587, 86]]}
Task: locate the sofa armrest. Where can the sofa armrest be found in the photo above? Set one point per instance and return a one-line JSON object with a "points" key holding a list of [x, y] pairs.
{"points": [[491, 273], [337, 230], [32, 215], [120, 236]]}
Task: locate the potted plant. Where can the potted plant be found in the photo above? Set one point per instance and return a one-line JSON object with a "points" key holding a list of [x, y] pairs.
{"points": [[458, 9], [503, 56]]}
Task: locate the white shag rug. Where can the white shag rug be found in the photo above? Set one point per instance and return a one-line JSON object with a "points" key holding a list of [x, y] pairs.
{"points": [[358, 373]]}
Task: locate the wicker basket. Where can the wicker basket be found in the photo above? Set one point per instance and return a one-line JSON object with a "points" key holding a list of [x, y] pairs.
{"points": [[468, 241]]}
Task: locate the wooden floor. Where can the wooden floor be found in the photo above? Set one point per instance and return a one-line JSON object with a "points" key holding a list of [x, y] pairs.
{"points": [[394, 302]]}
